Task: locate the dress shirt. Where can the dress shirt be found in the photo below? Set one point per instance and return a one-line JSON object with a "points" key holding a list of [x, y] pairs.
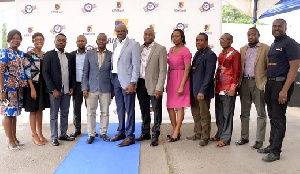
{"points": [[79, 65], [250, 60], [116, 55], [64, 70], [100, 57], [144, 59]]}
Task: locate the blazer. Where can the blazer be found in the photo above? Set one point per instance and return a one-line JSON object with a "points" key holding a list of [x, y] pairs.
{"points": [[129, 62], [261, 65], [93, 78], [52, 71], [156, 68], [202, 73]]}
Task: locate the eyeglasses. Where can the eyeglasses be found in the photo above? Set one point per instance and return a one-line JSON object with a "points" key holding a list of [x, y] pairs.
{"points": [[224, 39], [38, 40]]}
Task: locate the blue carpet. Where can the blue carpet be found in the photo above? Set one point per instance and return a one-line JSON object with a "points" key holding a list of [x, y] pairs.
{"points": [[102, 157]]}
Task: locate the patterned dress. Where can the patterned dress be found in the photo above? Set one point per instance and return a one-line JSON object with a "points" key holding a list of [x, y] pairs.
{"points": [[11, 65]]}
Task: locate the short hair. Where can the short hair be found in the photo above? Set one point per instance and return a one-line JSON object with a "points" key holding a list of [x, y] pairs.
{"points": [[230, 36], [181, 34], [284, 21], [36, 35], [101, 33], [12, 33], [205, 35], [254, 28], [150, 28], [60, 34]]}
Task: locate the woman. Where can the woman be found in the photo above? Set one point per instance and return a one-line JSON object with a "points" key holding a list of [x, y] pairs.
{"points": [[178, 85], [12, 81], [35, 97]]}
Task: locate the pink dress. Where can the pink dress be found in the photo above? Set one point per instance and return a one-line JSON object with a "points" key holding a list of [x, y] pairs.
{"points": [[176, 65]]}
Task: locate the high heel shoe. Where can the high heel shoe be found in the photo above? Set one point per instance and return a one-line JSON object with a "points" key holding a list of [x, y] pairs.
{"points": [[19, 143], [178, 136], [43, 139], [10, 147], [36, 140]]}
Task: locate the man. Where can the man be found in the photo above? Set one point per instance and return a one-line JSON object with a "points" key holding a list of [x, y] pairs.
{"points": [[284, 58], [151, 84], [78, 57], [125, 73], [97, 86], [227, 80], [254, 59], [202, 89], [58, 74]]}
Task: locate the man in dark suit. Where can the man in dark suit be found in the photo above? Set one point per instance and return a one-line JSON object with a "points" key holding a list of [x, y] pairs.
{"points": [[202, 89], [97, 86], [78, 57], [125, 73], [58, 74]]}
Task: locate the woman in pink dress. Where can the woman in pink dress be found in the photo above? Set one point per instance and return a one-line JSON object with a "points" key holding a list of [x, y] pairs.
{"points": [[178, 82]]}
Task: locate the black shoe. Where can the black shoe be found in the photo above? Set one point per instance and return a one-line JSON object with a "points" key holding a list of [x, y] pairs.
{"points": [[143, 137], [271, 157], [264, 150], [96, 134], [257, 144], [242, 141], [90, 140], [66, 138], [105, 137], [55, 142], [154, 141], [75, 134]]}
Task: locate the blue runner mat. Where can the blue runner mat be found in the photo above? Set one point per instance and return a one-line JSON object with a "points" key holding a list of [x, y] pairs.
{"points": [[102, 157]]}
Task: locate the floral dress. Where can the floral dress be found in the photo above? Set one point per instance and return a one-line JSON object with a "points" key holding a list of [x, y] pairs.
{"points": [[11, 65]]}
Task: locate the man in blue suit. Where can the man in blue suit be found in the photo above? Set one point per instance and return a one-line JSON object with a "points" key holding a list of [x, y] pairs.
{"points": [[202, 89], [97, 86], [125, 73]]}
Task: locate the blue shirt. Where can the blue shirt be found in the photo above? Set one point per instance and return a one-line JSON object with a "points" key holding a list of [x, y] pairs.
{"points": [[79, 65]]}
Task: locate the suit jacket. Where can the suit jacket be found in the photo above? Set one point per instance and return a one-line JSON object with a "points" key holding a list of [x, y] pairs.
{"points": [[129, 62], [261, 64], [52, 71], [202, 73], [93, 78], [156, 69]]}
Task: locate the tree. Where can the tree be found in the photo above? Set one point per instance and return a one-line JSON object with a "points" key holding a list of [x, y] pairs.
{"points": [[232, 15], [4, 33]]}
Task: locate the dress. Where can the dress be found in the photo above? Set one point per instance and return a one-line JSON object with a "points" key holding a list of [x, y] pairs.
{"points": [[176, 66], [11, 65], [33, 71]]}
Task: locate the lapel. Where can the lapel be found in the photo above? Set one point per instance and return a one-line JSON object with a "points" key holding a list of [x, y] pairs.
{"points": [[151, 52], [124, 47], [95, 55], [198, 56], [57, 58], [259, 51]]}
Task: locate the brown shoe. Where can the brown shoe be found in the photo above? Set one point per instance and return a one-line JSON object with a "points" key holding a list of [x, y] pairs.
{"points": [[126, 142], [203, 142], [118, 137], [193, 137]]}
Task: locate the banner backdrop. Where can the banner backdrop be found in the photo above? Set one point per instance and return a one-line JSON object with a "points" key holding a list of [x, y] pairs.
{"points": [[76, 17]]}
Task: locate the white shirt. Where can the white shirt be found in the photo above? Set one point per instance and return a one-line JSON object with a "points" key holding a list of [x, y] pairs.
{"points": [[64, 70], [79, 65], [116, 55]]}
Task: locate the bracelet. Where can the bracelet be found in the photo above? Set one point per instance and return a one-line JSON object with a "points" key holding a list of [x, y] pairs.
{"points": [[2, 90]]}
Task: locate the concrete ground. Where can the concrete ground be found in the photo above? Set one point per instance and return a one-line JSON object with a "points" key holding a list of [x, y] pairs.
{"points": [[181, 157]]}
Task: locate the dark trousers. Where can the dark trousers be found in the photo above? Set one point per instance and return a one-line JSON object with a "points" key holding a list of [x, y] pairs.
{"points": [[144, 101], [276, 114], [77, 102], [125, 103], [224, 106]]}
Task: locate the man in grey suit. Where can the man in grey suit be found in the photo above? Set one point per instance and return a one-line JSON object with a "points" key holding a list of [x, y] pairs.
{"points": [[151, 84], [96, 85], [125, 73]]}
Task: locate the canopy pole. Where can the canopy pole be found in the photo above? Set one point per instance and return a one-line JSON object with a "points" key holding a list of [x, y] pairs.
{"points": [[254, 19]]}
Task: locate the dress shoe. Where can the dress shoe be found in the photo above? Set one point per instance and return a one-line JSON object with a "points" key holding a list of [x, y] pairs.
{"points": [[264, 150], [193, 137], [203, 143], [104, 137], [126, 142], [66, 138], [90, 140], [118, 137], [271, 157], [257, 144], [154, 141], [242, 141], [143, 137], [55, 142], [75, 134]]}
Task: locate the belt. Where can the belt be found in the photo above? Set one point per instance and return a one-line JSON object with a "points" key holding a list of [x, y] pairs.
{"points": [[78, 82], [277, 79], [249, 78], [176, 68]]}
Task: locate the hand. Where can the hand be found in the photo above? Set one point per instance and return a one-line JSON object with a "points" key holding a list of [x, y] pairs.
{"points": [[33, 94], [2, 96], [230, 93], [56, 94], [112, 96], [71, 91], [85, 94], [158, 94], [282, 98], [130, 89], [200, 96], [180, 91]]}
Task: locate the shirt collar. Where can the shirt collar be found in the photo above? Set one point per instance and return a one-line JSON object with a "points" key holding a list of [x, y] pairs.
{"points": [[123, 41], [77, 52], [281, 38], [228, 50], [257, 45], [59, 51], [150, 46], [103, 51]]}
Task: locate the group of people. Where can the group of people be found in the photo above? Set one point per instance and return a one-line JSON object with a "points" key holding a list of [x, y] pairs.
{"points": [[258, 73]]}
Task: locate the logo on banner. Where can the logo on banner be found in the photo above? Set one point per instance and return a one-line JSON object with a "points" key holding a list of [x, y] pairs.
{"points": [[182, 26], [206, 6], [152, 26], [29, 48], [118, 22], [118, 7], [89, 30], [57, 8], [180, 7], [151, 6], [87, 8], [207, 29], [29, 9], [29, 31], [89, 47], [57, 29]]}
